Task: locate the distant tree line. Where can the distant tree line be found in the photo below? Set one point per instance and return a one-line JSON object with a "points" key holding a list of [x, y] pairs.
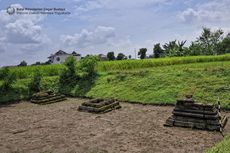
{"points": [[120, 56], [209, 43]]}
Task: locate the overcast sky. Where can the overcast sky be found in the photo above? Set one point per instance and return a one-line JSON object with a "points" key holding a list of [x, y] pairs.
{"points": [[99, 26]]}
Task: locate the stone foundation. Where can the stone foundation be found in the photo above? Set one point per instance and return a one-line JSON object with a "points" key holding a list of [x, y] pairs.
{"points": [[43, 98], [99, 106], [189, 114]]}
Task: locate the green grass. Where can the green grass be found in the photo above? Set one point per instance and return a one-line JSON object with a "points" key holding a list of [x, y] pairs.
{"points": [[162, 81], [20, 91], [148, 63], [54, 70], [206, 81], [222, 147], [46, 70]]}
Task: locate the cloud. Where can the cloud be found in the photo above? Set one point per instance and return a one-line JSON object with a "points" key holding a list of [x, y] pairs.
{"points": [[21, 29], [101, 35], [83, 6], [21, 36], [207, 12], [190, 15]]}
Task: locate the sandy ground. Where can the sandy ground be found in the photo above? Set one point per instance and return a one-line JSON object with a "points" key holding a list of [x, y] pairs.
{"points": [[60, 128]]}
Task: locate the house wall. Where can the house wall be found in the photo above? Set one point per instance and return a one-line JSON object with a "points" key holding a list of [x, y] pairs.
{"points": [[62, 58]]}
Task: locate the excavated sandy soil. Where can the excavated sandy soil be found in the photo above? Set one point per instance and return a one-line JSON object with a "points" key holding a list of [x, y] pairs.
{"points": [[61, 128]]}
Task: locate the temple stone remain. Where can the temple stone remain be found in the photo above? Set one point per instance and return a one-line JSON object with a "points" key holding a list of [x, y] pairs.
{"points": [[99, 106], [189, 114], [43, 98]]}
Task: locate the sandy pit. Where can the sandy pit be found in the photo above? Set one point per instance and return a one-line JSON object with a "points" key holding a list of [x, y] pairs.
{"points": [[61, 128]]}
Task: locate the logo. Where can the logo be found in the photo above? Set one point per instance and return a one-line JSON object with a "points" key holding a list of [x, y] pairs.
{"points": [[10, 10]]}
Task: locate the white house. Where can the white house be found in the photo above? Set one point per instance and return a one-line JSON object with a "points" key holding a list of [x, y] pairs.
{"points": [[60, 57]]}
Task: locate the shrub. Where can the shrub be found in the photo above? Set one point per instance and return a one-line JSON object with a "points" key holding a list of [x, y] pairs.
{"points": [[68, 76], [8, 79], [34, 85], [88, 66], [3, 73]]}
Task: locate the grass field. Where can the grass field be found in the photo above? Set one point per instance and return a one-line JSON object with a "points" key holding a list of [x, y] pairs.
{"points": [[206, 81], [54, 70], [162, 81], [148, 63]]}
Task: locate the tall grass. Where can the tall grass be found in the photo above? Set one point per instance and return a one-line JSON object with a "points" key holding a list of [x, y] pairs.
{"points": [[147, 63], [28, 71], [54, 70]]}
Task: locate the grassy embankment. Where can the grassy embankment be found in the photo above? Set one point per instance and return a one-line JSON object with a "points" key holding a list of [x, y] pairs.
{"points": [[146, 81], [221, 147]]}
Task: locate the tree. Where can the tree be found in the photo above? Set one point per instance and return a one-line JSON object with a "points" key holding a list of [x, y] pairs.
{"points": [[142, 53], [88, 66], [174, 48], [34, 85], [209, 41], [130, 56], [194, 49], [68, 76], [120, 56], [224, 46], [158, 51], [37, 63], [23, 63], [110, 56], [8, 79]]}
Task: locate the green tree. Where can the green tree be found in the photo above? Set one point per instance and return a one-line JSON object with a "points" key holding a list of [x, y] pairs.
{"points": [[35, 84], [224, 46], [120, 56], [111, 56], [158, 51], [23, 63], [142, 53], [209, 41], [88, 66], [8, 79], [174, 48], [194, 49], [68, 76]]}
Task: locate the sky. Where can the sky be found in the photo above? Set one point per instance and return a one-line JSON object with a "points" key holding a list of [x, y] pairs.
{"points": [[100, 26]]}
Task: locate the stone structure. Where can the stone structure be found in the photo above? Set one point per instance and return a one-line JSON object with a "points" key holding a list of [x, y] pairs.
{"points": [[189, 114], [99, 106], [47, 98]]}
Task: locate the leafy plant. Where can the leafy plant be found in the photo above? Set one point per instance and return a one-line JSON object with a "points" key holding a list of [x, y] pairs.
{"points": [[8, 79], [120, 56], [111, 56], [23, 63], [35, 84], [88, 66], [68, 76], [142, 53]]}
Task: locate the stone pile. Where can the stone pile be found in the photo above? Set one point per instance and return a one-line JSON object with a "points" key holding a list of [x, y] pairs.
{"points": [[99, 106], [189, 114], [47, 98]]}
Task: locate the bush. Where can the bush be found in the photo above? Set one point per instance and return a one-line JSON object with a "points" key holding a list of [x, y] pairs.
{"points": [[88, 66], [3, 73], [8, 79], [68, 76], [34, 85]]}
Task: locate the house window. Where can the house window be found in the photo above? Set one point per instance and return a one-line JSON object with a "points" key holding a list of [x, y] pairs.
{"points": [[58, 59]]}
